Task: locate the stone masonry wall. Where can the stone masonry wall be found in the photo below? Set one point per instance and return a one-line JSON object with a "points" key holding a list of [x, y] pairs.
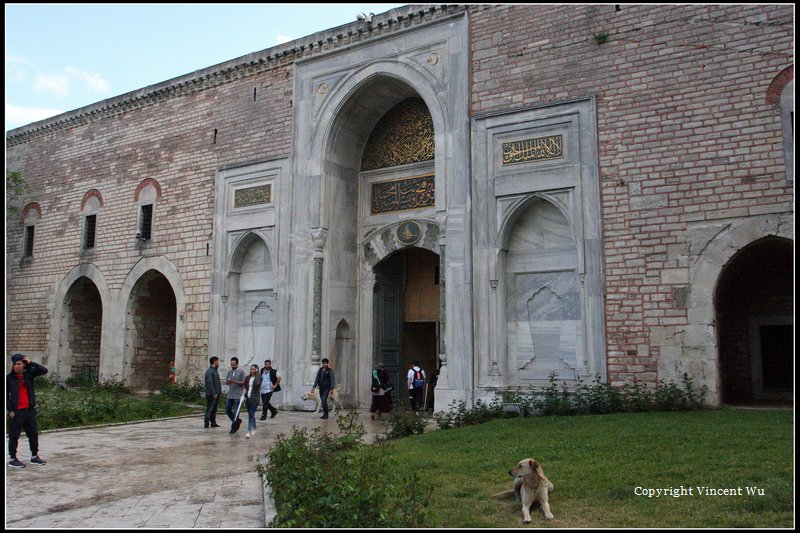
{"points": [[180, 141], [685, 133]]}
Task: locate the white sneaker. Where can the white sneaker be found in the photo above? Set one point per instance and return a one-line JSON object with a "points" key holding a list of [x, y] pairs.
{"points": [[248, 435]]}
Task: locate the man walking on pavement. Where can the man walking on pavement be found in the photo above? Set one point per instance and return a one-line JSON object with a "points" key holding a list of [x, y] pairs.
{"points": [[326, 382], [270, 383], [235, 379], [213, 392]]}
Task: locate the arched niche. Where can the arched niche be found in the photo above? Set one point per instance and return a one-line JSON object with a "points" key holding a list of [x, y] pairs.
{"points": [[544, 303], [250, 301]]}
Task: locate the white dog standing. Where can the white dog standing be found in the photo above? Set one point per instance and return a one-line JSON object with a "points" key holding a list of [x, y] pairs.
{"points": [[333, 397]]}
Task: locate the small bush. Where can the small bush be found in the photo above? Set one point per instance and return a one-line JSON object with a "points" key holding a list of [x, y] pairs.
{"points": [[597, 398], [459, 415], [320, 480], [187, 391], [403, 422]]}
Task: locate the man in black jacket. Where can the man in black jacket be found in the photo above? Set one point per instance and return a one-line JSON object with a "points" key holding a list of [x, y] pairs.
{"points": [[213, 392], [325, 381], [21, 407]]}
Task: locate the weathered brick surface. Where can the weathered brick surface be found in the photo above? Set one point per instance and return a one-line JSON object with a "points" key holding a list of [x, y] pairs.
{"points": [[173, 142], [682, 119]]}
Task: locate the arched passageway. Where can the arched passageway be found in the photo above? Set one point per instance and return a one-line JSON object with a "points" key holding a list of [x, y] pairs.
{"points": [[81, 326], [150, 331], [754, 308]]}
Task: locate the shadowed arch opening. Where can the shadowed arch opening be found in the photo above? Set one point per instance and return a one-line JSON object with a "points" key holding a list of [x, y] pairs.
{"points": [[81, 326], [151, 331], [753, 301]]}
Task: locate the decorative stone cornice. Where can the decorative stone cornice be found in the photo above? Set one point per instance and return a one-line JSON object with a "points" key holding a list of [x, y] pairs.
{"points": [[320, 43]]}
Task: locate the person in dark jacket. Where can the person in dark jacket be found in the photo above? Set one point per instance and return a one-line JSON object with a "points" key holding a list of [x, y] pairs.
{"points": [[21, 407], [325, 381], [213, 392]]}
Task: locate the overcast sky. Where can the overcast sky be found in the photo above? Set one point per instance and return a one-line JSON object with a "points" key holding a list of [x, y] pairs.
{"points": [[62, 57]]}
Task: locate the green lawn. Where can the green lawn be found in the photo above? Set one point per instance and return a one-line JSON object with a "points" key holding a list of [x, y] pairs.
{"points": [[596, 463]]}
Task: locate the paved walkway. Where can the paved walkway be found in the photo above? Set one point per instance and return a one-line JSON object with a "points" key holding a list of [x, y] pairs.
{"points": [[166, 473]]}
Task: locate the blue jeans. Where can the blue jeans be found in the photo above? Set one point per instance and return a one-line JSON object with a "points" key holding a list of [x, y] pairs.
{"points": [[230, 405], [251, 415]]}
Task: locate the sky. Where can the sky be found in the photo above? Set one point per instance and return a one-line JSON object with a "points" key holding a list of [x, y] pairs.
{"points": [[61, 57]]}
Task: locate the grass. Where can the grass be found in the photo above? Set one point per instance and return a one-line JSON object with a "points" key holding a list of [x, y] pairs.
{"points": [[596, 462], [56, 408]]}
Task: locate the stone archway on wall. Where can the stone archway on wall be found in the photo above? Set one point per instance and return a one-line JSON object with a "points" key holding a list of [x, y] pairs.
{"points": [[168, 283], [150, 332], [694, 349], [79, 322], [754, 301]]}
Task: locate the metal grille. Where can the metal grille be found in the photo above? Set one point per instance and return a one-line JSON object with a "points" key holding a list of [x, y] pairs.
{"points": [[146, 230], [29, 241], [89, 231]]}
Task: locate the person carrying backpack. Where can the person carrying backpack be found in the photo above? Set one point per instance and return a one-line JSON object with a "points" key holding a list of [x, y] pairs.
{"points": [[416, 382]]}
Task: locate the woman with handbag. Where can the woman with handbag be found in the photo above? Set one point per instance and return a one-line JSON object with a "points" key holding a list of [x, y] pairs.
{"points": [[252, 389], [381, 389]]}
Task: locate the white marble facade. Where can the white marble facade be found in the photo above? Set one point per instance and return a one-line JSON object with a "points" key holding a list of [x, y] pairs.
{"points": [[519, 249]]}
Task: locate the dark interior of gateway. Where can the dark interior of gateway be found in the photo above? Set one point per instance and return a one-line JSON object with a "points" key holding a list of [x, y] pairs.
{"points": [[406, 317], [755, 324]]}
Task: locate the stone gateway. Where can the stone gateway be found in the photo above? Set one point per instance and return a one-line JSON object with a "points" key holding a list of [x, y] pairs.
{"points": [[489, 190]]}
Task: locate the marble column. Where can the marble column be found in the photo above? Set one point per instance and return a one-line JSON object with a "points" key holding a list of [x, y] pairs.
{"points": [[494, 372], [443, 381], [319, 237]]}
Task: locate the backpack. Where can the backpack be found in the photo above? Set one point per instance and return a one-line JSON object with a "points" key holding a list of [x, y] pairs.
{"points": [[419, 379]]}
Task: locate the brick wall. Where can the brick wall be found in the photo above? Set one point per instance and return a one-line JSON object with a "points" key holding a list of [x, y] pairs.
{"points": [[685, 133], [179, 141]]}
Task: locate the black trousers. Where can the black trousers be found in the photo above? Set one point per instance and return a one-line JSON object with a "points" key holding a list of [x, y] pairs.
{"points": [[265, 398], [323, 397], [415, 398], [211, 410], [23, 419]]}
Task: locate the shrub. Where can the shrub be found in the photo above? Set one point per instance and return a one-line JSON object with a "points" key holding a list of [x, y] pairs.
{"points": [[403, 422], [320, 480], [597, 398], [183, 391], [459, 415]]}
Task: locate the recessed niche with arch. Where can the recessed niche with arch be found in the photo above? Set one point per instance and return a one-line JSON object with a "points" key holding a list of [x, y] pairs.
{"points": [[250, 307], [543, 295]]}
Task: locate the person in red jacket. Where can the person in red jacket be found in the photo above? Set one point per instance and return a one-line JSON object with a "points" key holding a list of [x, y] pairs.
{"points": [[21, 407]]}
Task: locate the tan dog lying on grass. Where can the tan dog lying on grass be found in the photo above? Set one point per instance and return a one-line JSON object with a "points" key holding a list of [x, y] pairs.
{"points": [[530, 485], [333, 398]]}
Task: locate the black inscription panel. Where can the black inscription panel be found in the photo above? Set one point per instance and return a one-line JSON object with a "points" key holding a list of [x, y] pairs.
{"points": [[411, 193], [538, 149]]}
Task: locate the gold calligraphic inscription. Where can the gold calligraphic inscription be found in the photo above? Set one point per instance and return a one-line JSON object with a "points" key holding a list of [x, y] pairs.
{"points": [[404, 135], [261, 194], [411, 193], [537, 149]]}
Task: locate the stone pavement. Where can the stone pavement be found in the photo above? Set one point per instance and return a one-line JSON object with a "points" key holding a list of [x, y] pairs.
{"points": [[164, 473]]}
